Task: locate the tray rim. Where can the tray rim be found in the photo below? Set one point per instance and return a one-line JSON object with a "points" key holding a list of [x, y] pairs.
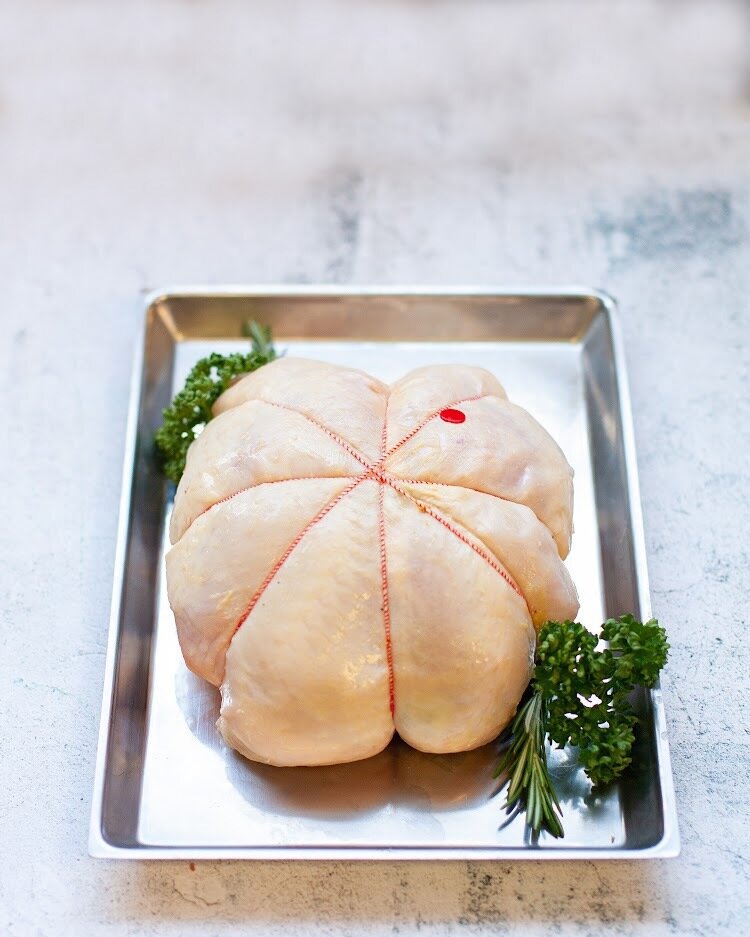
{"points": [[99, 847]]}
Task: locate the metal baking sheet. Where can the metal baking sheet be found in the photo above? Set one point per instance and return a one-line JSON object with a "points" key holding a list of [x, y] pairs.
{"points": [[167, 787]]}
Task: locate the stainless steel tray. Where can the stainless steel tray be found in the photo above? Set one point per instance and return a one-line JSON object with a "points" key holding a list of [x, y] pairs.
{"points": [[167, 787]]}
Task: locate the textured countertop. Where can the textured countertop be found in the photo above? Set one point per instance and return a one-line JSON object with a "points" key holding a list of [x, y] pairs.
{"points": [[379, 141]]}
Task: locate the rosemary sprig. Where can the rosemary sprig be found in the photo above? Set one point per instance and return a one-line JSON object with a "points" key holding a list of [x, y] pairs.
{"points": [[525, 763]]}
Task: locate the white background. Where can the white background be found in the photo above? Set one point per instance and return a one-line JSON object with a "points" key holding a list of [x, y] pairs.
{"points": [[411, 141]]}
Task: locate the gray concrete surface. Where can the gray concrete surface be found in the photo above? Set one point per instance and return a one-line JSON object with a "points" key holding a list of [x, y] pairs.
{"points": [[407, 141]]}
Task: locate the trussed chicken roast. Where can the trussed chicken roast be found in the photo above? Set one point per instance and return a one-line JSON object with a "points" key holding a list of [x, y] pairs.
{"points": [[351, 559]]}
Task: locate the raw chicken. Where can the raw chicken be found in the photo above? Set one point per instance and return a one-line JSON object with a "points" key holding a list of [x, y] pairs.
{"points": [[351, 559]]}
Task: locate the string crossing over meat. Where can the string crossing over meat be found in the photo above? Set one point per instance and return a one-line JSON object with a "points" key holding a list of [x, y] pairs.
{"points": [[351, 559]]}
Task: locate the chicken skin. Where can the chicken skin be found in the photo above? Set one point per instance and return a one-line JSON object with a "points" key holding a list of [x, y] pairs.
{"points": [[351, 559]]}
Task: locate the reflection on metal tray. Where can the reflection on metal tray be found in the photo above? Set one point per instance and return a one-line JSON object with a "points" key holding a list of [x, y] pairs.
{"points": [[167, 787]]}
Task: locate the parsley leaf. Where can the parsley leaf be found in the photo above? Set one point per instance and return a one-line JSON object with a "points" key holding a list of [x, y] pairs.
{"points": [[579, 696], [192, 407]]}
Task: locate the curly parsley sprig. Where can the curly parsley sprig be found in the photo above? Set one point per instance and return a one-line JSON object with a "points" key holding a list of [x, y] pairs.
{"points": [[579, 696], [191, 408]]}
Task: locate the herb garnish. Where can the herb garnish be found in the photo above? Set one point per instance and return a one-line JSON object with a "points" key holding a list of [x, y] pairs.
{"points": [[191, 407], [578, 696]]}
